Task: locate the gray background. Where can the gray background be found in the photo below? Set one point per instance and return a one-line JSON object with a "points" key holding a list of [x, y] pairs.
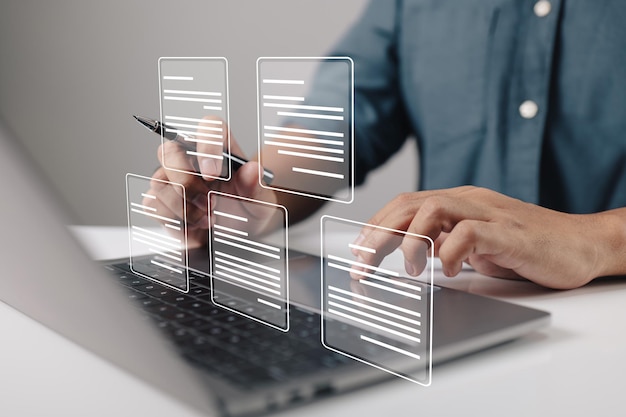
{"points": [[73, 72]]}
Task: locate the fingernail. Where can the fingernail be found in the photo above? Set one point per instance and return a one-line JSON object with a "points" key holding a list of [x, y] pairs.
{"points": [[408, 266], [201, 202], [209, 166]]}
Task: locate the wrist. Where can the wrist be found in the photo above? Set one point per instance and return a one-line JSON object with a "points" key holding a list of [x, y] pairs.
{"points": [[609, 242]]}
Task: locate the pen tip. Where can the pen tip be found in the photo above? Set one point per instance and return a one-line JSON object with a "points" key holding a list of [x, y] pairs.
{"points": [[149, 123]]}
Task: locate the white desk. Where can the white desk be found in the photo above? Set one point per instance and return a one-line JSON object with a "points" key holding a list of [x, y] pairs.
{"points": [[575, 367]]}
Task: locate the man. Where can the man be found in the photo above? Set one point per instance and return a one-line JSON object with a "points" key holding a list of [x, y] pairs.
{"points": [[519, 110]]}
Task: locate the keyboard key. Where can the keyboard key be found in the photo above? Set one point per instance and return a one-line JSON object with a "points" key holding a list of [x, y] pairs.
{"points": [[198, 290], [195, 323], [176, 298], [160, 292], [136, 296]]}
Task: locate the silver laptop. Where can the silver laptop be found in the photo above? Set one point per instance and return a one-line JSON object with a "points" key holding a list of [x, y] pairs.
{"points": [[218, 362]]}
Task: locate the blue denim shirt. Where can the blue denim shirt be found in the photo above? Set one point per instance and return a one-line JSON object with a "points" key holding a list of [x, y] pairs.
{"points": [[454, 73]]}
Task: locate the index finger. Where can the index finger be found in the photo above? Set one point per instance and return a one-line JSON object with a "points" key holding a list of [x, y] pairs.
{"points": [[374, 244], [211, 140], [397, 215], [178, 167]]}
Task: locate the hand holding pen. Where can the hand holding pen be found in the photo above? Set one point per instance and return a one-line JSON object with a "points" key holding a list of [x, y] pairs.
{"points": [[206, 136], [186, 154]]}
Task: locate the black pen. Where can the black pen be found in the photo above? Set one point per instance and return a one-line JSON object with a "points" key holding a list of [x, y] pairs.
{"points": [[169, 134]]}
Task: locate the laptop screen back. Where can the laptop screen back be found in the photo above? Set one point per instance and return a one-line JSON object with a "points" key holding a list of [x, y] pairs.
{"points": [[47, 276]]}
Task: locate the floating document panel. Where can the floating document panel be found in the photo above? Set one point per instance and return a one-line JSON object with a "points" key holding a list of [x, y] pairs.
{"points": [[371, 311], [313, 136], [153, 230], [194, 106], [249, 272]]}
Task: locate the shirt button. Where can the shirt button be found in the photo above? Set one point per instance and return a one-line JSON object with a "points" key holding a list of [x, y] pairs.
{"points": [[542, 8], [528, 109]]}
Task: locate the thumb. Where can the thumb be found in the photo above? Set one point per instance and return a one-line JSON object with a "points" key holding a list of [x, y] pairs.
{"points": [[247, 183]]}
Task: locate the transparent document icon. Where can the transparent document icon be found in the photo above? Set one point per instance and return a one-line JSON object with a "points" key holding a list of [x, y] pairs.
{"points": [[371, 310], [311, 134], [249, 271], [153, 231], [194, 107]]}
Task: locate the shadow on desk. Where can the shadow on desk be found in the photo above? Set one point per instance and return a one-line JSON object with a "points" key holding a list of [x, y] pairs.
{"points": [[509, 289]]}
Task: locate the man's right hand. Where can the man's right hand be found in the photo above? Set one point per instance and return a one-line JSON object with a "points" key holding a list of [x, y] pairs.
{"points": [[244, 183]]}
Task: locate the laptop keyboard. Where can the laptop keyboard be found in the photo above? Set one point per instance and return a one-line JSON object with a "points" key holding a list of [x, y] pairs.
{"points": [[247, 353]]}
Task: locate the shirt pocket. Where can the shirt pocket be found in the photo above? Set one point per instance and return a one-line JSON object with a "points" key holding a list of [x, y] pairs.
{"points": [[444, 55]]}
